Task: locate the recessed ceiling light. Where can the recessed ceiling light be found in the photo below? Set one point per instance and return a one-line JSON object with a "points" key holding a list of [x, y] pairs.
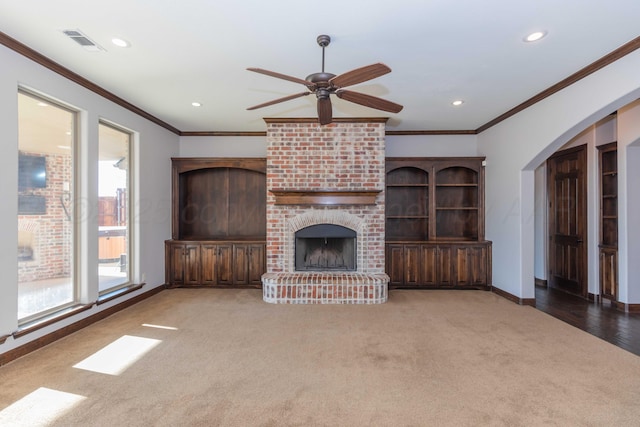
{"points": [[120, 42], [535, 36], [196, 104], [457, 102]]}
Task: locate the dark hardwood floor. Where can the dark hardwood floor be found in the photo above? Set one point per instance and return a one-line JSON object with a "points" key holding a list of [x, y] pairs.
{"points": [[601, 320]]}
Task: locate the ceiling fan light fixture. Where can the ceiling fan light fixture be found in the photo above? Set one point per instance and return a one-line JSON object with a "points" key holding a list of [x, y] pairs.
{"points": [[535, 36]]}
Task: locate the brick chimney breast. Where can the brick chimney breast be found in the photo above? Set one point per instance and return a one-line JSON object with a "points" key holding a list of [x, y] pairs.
{"points": [[345, 156]]}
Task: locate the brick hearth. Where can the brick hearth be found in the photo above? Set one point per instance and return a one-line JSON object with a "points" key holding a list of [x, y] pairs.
{"points": [[344, 157]]}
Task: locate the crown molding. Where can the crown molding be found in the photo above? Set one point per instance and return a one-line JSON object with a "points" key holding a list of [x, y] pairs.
{"points": [[38, 58], [573, 78], [223, 133], [613, 56], [277, 120]]}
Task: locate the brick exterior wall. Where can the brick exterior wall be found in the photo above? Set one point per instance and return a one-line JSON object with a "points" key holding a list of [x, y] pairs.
{"points": [[347, 155], [49, 234]]}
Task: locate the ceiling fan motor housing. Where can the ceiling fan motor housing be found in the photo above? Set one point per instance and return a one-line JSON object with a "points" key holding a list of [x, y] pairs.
{"points": [[320, 78], [323, 40]]}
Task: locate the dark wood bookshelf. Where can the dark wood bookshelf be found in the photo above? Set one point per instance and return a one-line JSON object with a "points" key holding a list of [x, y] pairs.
{"points": [[435, 223]]}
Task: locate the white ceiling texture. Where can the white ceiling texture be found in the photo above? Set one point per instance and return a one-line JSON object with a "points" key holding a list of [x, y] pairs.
{"points": [[439, 51]]}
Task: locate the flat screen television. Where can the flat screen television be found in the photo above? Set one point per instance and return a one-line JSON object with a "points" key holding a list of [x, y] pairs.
{"points": [[32, 171]]}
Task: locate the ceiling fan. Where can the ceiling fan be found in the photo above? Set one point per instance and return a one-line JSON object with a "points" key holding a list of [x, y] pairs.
{"points": [[325, 84]]}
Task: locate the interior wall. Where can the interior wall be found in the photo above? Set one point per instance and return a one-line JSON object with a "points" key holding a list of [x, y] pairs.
{"points": [[541, 223], [629, 203], [431, 146], [223, 146], [396, 146], [517, 146], [153, 148]]}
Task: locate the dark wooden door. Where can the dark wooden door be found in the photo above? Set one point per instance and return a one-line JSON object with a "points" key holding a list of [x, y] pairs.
{"points": [[566, 179]]}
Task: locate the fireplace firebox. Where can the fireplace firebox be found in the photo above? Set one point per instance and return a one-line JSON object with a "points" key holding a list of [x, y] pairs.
{"points": [[325, 247]]}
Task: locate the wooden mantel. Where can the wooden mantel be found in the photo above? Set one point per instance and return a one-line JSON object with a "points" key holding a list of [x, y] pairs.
{"points": [[324, 197]]}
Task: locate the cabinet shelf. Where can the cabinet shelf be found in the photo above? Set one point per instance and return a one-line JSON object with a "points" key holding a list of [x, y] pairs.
{"points": [[407, 217], [406, 185], [608, 247], [435, 198], [460, 208]]}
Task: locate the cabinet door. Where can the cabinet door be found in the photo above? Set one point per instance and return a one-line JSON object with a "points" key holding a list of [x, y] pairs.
{"points": [[395, 264], [209, 272], [192, 264], [444, 266], [224, 265], [428, 265], [257, 263], [609, 273], [477, 261], [412, 265], [470, 265], [175, 264], [240, 264]]}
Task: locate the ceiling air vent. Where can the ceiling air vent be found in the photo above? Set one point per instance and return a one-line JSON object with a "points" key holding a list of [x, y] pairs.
{"points": [[82, 40]]}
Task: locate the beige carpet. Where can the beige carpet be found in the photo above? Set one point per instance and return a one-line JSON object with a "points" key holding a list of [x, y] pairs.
{"points": [[225, 358]]}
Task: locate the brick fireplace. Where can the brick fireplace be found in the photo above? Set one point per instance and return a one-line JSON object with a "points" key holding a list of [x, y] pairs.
{"points": [[319, 175]]}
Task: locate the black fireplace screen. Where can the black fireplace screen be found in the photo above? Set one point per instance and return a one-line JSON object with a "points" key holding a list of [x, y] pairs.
{"points": [[325, 247]]}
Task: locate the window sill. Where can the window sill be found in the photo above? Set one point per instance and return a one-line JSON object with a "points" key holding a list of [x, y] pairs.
{"points": [[35, 325], [110, 296]]}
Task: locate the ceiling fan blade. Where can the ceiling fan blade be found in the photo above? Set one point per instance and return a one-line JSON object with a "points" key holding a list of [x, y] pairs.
{"points": [[359, 75], [283, 77], [369, 101], [324, 111], [275, 101]]}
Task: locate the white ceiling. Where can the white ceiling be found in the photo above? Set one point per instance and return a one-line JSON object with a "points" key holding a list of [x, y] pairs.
{"points": [[439, 51]]}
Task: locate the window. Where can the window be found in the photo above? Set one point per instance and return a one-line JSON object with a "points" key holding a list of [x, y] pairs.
{"points": [[46, 226], [113, 208]]}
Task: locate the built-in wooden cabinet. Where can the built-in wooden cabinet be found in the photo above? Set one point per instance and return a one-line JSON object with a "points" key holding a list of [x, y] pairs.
{"points": [[608, 168], [218, 223], [209, 263], [439, 265], [435, 223]]}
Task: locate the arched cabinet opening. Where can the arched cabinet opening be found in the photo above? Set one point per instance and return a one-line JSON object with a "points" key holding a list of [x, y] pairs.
{"points": [[218, 223]]}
